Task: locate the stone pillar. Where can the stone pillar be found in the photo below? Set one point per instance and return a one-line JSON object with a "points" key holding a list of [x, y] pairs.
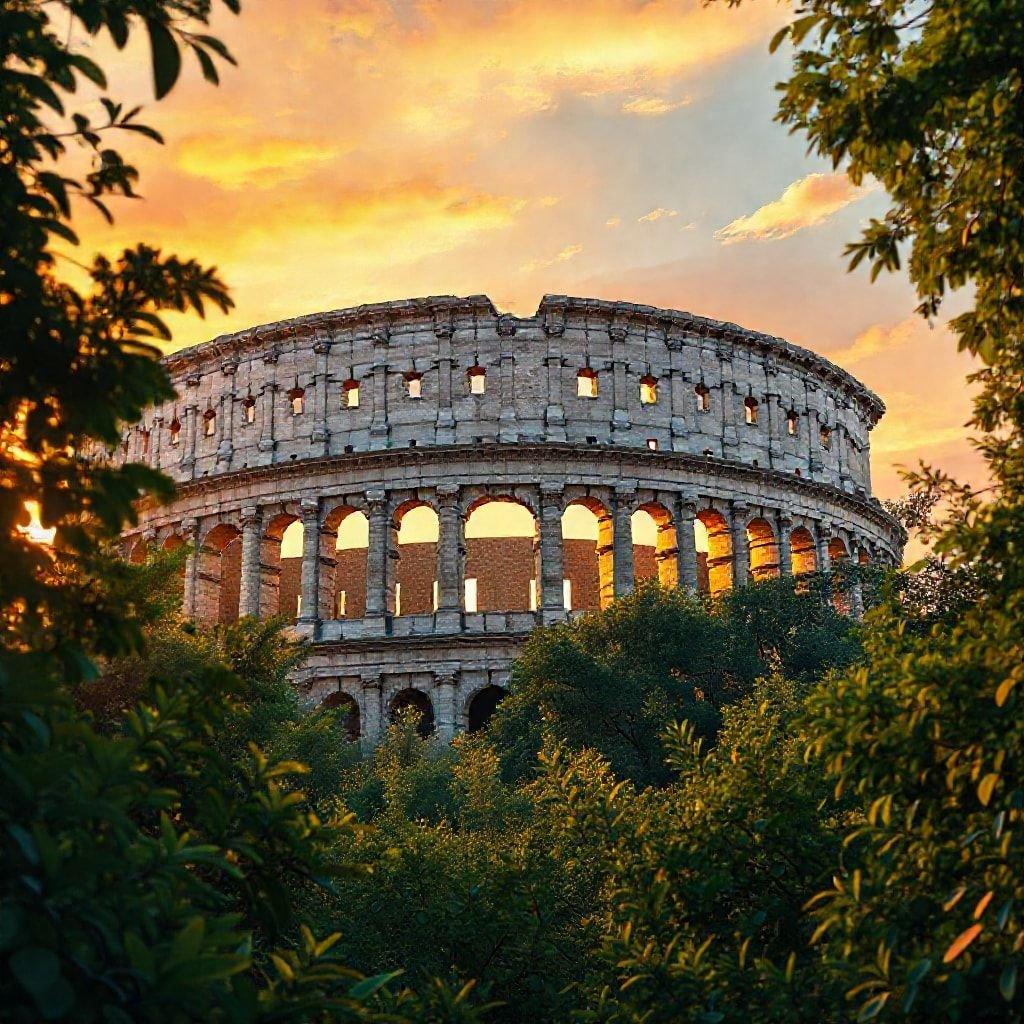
{"points": [[310, 578], [189, 452], [857, 587], [686, 516], [508, 428], [379, 427], [320, 436], [190, 535], [785, 530], [822, 537], [552, 596], [371, 709], [740, 545], [446, 722], [623, 541], [249, 589], [266, 442], [379, 583], [450, 545]]}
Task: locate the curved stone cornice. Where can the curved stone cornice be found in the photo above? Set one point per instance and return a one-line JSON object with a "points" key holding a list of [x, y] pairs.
{"points": [[391, 463], [386, 322]]}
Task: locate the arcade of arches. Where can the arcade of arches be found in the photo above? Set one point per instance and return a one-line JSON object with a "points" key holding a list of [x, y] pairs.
{"points": [[482, 561]]}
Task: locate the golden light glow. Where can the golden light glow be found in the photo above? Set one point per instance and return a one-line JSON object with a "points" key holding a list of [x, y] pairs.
{"points": [[35, 531]]}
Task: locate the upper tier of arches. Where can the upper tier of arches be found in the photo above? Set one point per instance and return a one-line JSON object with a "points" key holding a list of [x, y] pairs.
{"points": [[455, 371]]}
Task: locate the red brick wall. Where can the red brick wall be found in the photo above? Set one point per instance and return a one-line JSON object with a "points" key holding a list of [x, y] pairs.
{"points": [[503, 568], [291, 586], [231, 579], [417, 570], [350, 576]]}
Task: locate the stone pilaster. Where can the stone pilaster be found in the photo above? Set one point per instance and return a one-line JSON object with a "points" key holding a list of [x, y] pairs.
{"points": [[379, 428], [321, 384], [687, 540], [380, 594], [371, 709], [190, 535], [445, 713], [740, 545], [623, 541], [552, 597], [310, 576], [249, 588], [785, 531], [450, 544], [823, 535]]}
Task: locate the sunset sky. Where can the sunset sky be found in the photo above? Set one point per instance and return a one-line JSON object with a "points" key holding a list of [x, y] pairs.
{"points": [[367, 150]]}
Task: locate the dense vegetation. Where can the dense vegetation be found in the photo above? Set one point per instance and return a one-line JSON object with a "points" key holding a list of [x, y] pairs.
{"points": [[820, 823]]}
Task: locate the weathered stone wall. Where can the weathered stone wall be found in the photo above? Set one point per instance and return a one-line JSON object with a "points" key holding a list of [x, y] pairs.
{"points": [[765, 443]]}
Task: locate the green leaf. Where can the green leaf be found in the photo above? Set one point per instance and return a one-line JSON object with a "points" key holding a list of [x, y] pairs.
{"points": [[364, 989], [873, 1007], [166, 58], [1008, 982], [986, 786]]}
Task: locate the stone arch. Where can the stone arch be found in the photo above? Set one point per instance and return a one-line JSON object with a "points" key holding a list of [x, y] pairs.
{"points": [[344, 549], [281, 565], [764, 549], [218, 574], [839, 563], [502, 555], [416, 700], [415, 528], [659, 560], [803, 557], [482, 705], [588, 554], [714, 562], [342, 701]]}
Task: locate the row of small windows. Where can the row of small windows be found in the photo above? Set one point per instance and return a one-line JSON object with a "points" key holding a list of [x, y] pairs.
{"points": [[586, 387]]}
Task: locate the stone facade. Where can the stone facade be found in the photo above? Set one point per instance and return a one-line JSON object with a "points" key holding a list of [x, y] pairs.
{"points": [[446, 402]]}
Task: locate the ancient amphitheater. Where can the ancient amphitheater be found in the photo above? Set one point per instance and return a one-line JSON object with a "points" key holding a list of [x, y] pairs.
{"points": [[339, 468]]}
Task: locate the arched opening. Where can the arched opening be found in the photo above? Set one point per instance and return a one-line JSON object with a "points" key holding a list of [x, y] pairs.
{"points": [[802, 554], [482, 707], [764, 550], [418, 702], [839, 560], [344, 539], [502, 557], [703, 396], [218, 575], [281, 567], [587, 556], [750, 411], [714, 552], [648, 390], [417, 529], [139, 552], [586, 383], [655, 549], [792, 422], [172, 542], [346, 704]]}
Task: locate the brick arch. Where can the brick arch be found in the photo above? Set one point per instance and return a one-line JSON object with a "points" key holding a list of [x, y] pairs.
{"points": [[218, 573], [589, 566], [803, 556], [341, 701], [138, 552], [501, 572], [280, 577], [412, 697], [764, 549], [714, 567], [343, 571], [415, 562], [662, 561]]}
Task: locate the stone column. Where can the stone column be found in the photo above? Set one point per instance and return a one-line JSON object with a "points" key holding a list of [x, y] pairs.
{"points": [[552, 573], [785, 531], [822, 537], [686, 516], [266, 442], [740, 545], [371, 710], [190, 535], [379, 588], [379, 427], [189, 451], [450, 543], [857, 587], [249, 590], [310, 578], [320, 435], [623, 541], [446, 716]]}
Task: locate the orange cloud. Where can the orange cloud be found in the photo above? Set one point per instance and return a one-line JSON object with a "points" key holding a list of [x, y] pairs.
{"points": [[563, 256], [878, 339], [658, 213], [805, 203], [653, 106], [260, 162]]}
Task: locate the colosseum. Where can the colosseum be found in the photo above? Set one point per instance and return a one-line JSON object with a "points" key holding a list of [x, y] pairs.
{"points": [[418, 484]]}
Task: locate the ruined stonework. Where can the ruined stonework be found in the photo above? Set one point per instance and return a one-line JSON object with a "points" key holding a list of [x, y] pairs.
{"points": [[446, 402]]}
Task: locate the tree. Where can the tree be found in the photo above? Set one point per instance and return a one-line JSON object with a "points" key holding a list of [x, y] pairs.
{"points": [[614, 681], [923, 917]]}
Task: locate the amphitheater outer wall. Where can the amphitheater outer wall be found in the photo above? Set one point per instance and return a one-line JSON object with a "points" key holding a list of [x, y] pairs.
{"points": [[694, 418]]}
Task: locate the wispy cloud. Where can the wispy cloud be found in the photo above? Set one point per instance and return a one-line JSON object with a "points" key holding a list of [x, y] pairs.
{"points": [[878, 339], [659, 213], [563, 256], [613, 222], [807, 202], [653, 106]]}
